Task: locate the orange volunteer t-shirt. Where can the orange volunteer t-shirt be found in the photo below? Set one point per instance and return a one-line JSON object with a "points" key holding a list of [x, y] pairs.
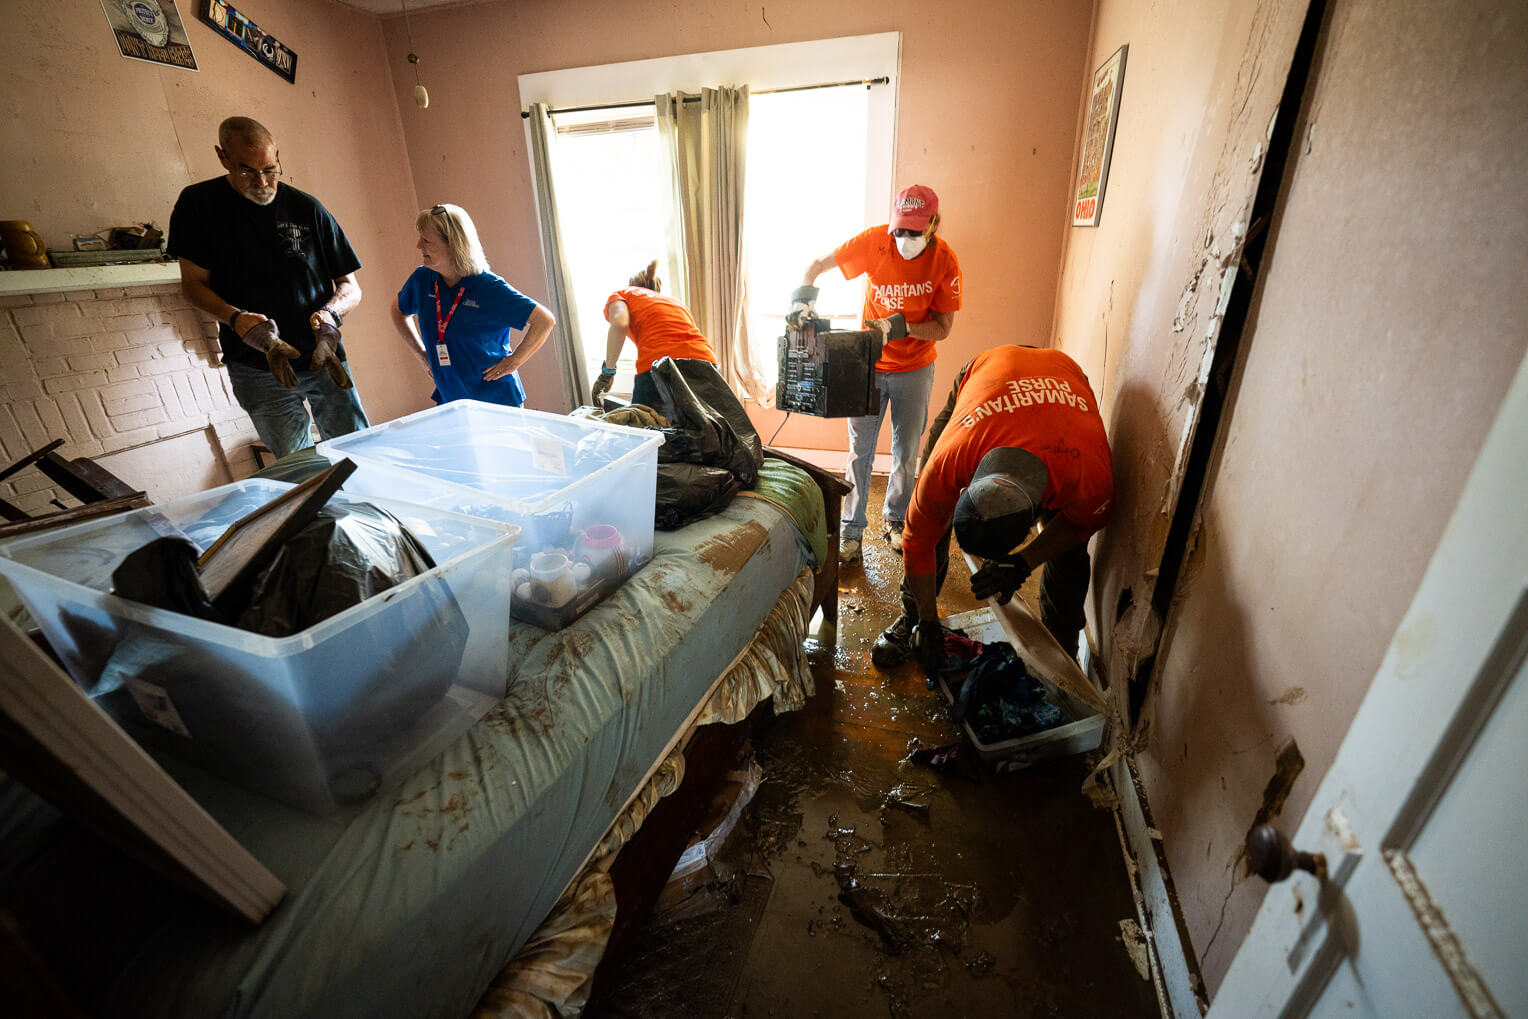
{"points": [[1038, 400], [915, 287], [661, 327]]}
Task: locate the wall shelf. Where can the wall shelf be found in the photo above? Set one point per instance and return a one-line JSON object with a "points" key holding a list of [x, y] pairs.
{"points": [[92, 277]]}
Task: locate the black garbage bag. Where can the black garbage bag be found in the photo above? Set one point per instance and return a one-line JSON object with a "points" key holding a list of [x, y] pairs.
{"points": [[688, 491], [347, 553], [703, 434], [711, 389], [163, 574]]}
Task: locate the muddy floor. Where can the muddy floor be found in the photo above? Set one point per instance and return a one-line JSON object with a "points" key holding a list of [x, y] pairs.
{"points": [[861, 884]]}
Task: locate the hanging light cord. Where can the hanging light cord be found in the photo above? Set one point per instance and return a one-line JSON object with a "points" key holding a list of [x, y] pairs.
{"points": [[408, 28]]}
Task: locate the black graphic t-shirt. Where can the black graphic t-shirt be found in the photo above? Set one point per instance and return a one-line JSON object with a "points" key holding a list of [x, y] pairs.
{"points": [[280, 260]]}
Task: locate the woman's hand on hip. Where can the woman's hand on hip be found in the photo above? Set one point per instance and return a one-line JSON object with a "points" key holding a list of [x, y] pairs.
{"points": [[501, 369]]}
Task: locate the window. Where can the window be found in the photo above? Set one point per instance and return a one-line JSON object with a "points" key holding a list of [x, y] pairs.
{"points": [[819, 171], [612, 204], [805, 195]]}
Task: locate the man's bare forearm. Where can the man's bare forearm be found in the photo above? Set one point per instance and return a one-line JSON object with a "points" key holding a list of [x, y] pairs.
{"points": [[205, 298], [347, 294]]}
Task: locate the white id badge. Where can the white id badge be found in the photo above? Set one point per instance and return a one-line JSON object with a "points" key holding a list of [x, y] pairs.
{"points": [[442, 355]]}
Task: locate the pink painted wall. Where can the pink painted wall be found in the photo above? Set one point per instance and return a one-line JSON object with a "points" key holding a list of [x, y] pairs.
{"points": [[986, 116], [1384, 330], [93, 140]]}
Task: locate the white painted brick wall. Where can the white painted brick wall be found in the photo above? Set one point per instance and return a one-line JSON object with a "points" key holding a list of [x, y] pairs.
{"points": [[104, 370]]}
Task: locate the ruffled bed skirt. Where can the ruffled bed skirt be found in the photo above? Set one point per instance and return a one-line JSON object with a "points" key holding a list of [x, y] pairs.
{"points": [[553, 973]]}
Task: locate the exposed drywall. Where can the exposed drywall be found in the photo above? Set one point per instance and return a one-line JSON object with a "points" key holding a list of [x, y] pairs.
{"points": [[93, 140], [1383, 331], [986, 117], [1141, 296]]}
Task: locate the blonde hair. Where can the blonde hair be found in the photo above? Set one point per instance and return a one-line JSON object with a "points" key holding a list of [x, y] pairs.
{"points": [[461, 237], [647, 278]]}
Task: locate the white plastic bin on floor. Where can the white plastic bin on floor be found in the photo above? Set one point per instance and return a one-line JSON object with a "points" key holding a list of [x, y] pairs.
{"points": [[325, 718], [581, 488]]}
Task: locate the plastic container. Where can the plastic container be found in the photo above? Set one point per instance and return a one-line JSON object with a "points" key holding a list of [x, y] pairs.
{"points": [[322, 719], [1082, 729], [577, 488]]}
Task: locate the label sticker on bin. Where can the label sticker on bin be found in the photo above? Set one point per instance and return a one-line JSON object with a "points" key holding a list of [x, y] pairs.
{"points": [[154, 702], [546, 454]]}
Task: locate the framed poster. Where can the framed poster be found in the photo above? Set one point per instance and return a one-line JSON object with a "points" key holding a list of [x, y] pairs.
{"points": [[248, 36], [1098, 140], [150, 30]]}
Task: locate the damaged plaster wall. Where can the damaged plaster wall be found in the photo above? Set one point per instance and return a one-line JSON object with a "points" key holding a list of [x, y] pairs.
{"points": [[1382, 338], [93, 140], [1141, 297], [1385, 327], [985, 116]]}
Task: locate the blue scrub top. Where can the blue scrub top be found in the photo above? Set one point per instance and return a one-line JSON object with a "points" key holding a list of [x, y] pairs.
{"points": [[477, 336]]}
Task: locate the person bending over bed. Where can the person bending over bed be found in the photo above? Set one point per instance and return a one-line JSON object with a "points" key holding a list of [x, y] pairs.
{"points": [[660, 326], [467, 313]]}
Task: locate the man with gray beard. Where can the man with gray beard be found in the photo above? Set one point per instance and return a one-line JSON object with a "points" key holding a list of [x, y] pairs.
{"points": [[274, 268]]}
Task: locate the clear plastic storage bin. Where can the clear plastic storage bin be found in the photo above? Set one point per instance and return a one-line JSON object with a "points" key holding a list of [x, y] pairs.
{"points": [[582, 492], [322, 719]]}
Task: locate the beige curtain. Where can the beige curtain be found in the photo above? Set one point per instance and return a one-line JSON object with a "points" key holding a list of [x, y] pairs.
{"points": [[559, 284], [707, 142]]}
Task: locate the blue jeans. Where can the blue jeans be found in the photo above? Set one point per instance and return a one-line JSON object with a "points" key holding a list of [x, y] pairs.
{"points": [[281, 419], [645, 391], [906, 395]]}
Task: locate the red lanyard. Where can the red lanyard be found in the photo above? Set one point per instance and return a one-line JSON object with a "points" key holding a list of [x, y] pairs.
{"points": [[441, 323]]}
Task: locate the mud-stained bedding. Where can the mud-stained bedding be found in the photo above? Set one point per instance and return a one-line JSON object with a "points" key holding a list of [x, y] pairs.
{"points": [[410, 905]]}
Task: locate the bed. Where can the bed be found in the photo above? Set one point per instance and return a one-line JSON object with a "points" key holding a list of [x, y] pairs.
{"points": [[413, 904]]}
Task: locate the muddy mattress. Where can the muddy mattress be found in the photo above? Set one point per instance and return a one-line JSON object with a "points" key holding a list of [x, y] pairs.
{"points": [[409, 905]]}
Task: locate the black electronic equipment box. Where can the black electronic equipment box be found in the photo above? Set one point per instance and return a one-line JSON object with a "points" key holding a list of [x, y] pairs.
{"points": [[828, 373]]}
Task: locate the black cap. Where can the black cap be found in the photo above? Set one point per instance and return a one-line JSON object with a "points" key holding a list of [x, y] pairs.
{"points": [[995, 512]]}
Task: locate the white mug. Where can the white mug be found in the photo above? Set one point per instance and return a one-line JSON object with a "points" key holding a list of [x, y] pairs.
{"points": [[552, 581]]}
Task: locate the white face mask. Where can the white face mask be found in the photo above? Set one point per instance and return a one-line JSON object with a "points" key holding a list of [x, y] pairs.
{"points": [[911, 247]]}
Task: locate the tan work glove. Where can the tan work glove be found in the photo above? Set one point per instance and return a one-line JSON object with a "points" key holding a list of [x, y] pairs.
{"points": [[326, 354], [266, 338], [803, 306], [601, 385]]}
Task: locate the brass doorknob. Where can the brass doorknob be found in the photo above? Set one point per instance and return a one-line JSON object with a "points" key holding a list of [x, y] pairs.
{"points": [[1271, 856]]}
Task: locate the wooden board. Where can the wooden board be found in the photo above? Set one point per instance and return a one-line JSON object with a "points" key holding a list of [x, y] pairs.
{"points": [[1039, 649], [59, 744], [254, 539]]}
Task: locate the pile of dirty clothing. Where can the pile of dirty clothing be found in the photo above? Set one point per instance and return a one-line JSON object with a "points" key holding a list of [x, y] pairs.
{"points": [[993, 691]]}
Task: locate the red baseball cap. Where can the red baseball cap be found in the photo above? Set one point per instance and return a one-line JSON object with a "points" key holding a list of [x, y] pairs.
{"points": [[913, 208]]}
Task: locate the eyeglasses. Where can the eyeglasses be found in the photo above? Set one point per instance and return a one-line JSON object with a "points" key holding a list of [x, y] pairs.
{"points": [[253, 176], [437, 210]]}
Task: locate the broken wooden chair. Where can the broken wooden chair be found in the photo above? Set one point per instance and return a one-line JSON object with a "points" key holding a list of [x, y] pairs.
{"points": [[101, 492]]}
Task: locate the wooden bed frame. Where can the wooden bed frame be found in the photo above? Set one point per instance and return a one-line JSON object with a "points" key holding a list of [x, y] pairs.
{"points": [[825, 580]]}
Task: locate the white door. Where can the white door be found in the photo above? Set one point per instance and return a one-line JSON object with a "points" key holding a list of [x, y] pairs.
{"points": [[1423, 817]]}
